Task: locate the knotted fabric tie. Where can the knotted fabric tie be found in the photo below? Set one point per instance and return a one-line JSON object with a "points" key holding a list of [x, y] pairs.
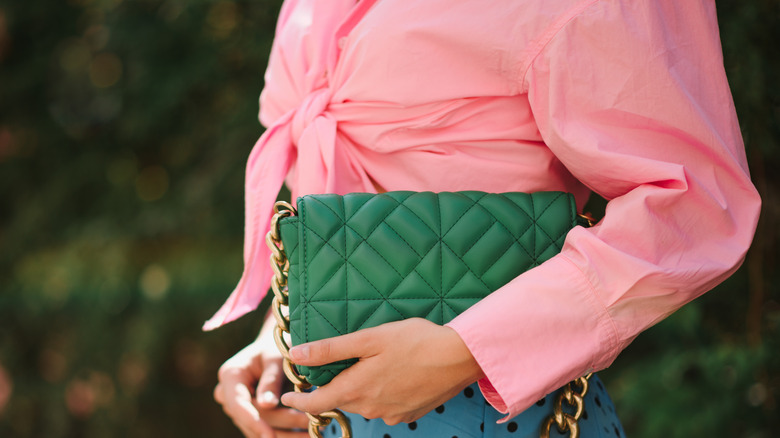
{"points": [[306, 136]]}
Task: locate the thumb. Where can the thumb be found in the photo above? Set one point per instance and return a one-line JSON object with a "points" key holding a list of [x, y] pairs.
{"points": [[269, 387], [325, 351]]}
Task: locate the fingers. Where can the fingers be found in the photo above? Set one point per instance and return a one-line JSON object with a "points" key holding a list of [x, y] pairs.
{"points": [[239, 406], [291, 434], [248, 390], [257, 422], [305, 402], [284, 418], [270, 385], [325, 398], [357, 344], [404, 370], [361, 344], [218, 394]]}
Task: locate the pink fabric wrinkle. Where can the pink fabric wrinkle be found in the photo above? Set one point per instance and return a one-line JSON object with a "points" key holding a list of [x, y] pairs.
{"points": [[312, 107], [494, 398]]}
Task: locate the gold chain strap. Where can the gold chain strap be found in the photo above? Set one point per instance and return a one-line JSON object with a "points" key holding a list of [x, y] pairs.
{"points": [[281, 265], [564, 421]]}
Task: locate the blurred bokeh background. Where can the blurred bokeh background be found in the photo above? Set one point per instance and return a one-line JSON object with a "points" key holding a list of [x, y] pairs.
{"points": [[124, 131]]}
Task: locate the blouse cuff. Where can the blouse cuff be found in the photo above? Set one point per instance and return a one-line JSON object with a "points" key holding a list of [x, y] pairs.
{"points": [[561, 332]]}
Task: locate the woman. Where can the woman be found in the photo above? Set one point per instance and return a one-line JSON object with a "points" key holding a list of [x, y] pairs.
{"points": [[625, 98]]}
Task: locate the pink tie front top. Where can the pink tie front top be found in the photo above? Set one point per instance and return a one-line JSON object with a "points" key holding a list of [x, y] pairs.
{"points": [[625, 98]]}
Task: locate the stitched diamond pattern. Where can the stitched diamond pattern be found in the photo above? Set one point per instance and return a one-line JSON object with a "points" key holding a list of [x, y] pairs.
{"points": [[360, 260]]}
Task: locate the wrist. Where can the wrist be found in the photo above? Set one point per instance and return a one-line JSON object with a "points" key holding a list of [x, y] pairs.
{"points": [[467, 365]]}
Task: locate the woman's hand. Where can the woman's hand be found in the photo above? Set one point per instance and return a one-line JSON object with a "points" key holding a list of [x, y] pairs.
{"points": [[404, 370], [249, 388]]}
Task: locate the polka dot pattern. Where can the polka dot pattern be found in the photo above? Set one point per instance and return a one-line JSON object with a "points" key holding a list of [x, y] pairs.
{"points": [[468, 415]]}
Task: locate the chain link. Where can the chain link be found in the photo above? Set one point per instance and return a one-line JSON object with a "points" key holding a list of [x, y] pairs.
{"points": [[281, 265], [575, 399]]}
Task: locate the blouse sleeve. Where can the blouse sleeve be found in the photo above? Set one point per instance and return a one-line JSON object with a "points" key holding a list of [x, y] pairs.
{"points": [[632, 98]]}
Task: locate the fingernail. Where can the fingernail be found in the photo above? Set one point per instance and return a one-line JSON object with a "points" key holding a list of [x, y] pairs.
{"points": [[300, 352], [269, 397]]}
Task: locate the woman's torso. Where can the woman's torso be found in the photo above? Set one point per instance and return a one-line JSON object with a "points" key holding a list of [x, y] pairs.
{"points": [[412, 95]]}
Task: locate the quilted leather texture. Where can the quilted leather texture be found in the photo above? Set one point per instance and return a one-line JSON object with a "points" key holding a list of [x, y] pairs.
{"points": [[360, 260]]}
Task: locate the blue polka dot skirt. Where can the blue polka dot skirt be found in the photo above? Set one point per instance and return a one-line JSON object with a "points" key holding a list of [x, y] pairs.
{"points": [[468, 415]]}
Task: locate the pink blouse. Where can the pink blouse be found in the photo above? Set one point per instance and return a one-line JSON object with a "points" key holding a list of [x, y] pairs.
{"points": [[625, 98]]}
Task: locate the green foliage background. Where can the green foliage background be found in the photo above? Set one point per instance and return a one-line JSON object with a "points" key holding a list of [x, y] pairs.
{"points": [[124, 131]]}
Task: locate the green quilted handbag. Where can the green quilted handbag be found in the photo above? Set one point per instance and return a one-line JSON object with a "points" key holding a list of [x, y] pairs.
{"points": [[361, 260]]}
